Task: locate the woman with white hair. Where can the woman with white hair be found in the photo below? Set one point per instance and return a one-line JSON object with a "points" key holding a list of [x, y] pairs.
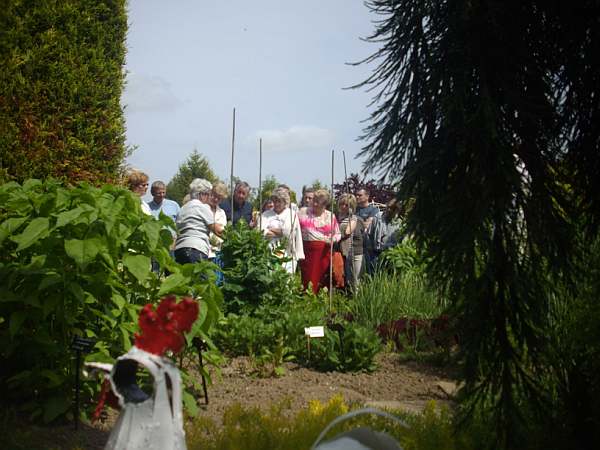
{"points": [[194, 222], [281, 224]]}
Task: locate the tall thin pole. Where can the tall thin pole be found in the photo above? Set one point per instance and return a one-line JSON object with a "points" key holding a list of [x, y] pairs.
{"points": [[350, 219], [260, 184], [231, 173], [331, 239], [346, 173]]}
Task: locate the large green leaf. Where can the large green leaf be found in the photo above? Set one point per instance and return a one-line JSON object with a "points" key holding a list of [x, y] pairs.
{"points": [[54, 378], [9, 226], [197, 325], [31, 184], [49, 280], [67, 217], [37, 229], [118, 300], [54, 407], [190, 404], [151, 230], [138, 265], [83, 251], [173, 283], [7, 295], [16, 322], [125, 333]]}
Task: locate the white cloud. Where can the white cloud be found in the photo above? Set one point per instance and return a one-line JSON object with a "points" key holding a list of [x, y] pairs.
{"points": [[148, 93], [296, 138]]}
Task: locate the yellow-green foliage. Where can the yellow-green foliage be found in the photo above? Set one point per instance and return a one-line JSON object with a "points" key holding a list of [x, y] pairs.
{"points": [[250, 428]]}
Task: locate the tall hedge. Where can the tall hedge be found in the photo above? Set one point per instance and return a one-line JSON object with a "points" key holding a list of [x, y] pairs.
{"points": [[61, 78]]}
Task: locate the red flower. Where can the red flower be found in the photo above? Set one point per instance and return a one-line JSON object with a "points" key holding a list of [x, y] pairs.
{"points": [[163, 329]]}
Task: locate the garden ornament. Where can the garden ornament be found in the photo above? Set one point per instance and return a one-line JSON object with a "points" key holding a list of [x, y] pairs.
{"points": [[361, 438], [149, 422]]}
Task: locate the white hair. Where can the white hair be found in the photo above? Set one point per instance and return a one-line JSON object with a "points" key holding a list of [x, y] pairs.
{"points": [[200, 186], [281, 194]]}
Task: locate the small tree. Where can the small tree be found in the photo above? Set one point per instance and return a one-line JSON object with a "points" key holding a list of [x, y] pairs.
{"points": [[268, 186], [318, 184], [379, 192], [196, 166]]}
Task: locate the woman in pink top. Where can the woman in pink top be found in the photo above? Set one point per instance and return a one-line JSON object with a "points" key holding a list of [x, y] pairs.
{"points": [[318, 225]]}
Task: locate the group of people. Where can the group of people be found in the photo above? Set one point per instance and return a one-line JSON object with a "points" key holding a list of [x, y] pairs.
{"points": [[303, 235]]}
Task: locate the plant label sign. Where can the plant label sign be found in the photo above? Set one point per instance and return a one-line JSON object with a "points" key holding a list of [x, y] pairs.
{"points": [[314, 332]]}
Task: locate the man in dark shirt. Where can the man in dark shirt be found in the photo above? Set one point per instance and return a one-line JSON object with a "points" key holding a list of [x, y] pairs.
{"points": [[242, 208], [368, 213]]}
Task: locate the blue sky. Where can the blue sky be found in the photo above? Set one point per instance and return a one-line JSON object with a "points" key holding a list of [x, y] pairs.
{"points": [[281, 64]]}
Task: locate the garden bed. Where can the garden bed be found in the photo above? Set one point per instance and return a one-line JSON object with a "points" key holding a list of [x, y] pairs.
{"points": [[406, 385]]}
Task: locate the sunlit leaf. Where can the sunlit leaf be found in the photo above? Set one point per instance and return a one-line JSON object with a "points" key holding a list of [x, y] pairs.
{"points": [[11, 225], [37, 229], [83, 251], [138, 265]]}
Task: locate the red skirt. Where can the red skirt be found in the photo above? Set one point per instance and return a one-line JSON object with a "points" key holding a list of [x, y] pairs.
{"points": [[315, 264]]}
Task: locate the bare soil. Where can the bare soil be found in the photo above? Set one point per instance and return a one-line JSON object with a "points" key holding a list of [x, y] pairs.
{"points": [[407, 385]]}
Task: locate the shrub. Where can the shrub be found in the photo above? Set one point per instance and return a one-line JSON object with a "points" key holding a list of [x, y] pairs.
{"points": [[76, 262], [254, 276], [403, 258], [270, 328], [61, 78]]}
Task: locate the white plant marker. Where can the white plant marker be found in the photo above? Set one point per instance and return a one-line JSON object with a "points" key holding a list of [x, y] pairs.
{"points": [[313, 332]]}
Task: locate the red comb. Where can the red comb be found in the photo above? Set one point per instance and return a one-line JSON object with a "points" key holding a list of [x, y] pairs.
{"points": [[163, 329]]}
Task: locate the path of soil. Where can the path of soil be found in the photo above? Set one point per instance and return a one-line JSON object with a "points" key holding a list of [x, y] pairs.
{"points": [[406, 385]]}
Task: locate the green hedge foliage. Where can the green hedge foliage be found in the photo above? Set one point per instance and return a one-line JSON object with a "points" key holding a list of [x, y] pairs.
{"points": [[61, 78]]}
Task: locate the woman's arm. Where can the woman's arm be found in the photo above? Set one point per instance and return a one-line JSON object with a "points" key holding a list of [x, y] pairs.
{"points": [[216, 228]]}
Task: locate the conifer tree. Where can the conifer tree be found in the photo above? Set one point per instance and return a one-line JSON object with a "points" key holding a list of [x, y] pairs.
{"points": [[195, 166], [486, 113]]}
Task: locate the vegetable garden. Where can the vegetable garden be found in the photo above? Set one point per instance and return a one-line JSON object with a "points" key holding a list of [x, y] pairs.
{"points": [[76, 262]]}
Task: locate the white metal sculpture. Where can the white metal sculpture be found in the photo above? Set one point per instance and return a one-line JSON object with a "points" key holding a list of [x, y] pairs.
{"points": [[361, 438], [150, 422]]}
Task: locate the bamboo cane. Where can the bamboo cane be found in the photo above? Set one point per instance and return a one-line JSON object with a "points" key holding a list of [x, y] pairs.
{"points": [[260, 184], [350, 218], [231, 173], [331, 239]]}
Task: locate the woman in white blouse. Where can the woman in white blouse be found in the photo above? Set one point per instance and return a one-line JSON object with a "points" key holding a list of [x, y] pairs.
{"points": [[280, 224]]}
